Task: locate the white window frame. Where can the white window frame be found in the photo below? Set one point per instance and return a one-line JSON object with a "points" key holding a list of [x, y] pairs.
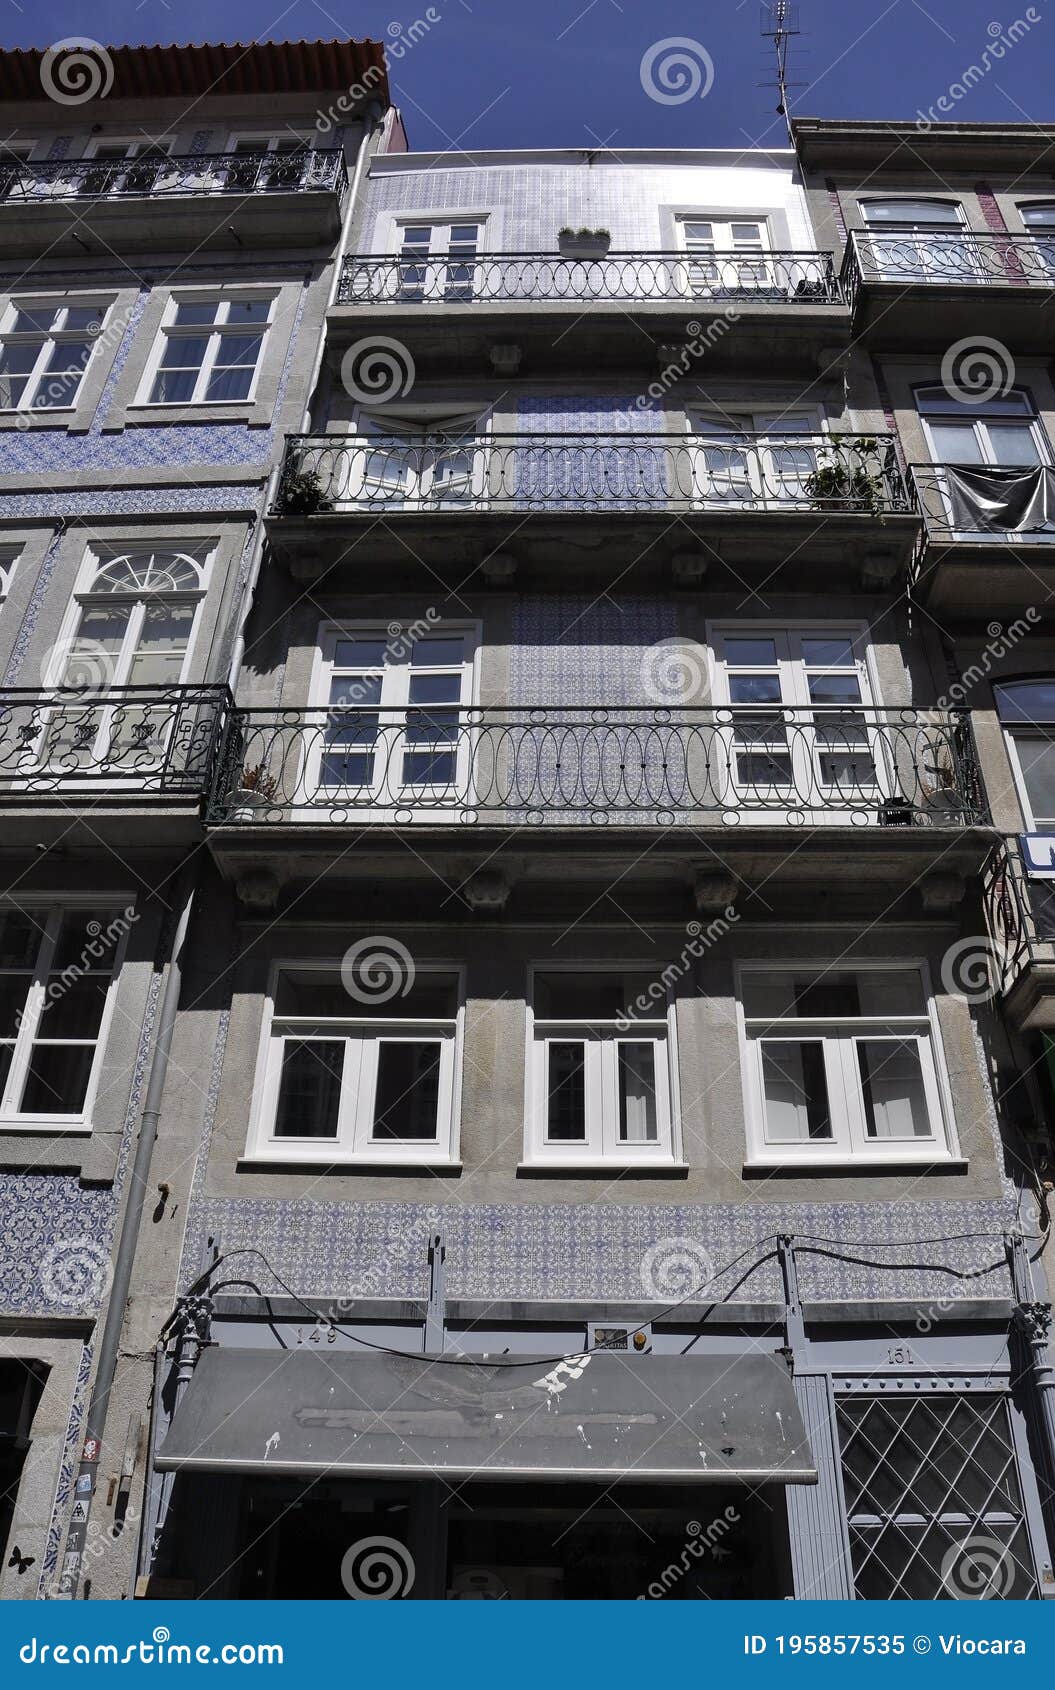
{"points": [[267, 140], [922, 238], [602, 1147], [224, 297], [757, 274], [749, 480], [52, 909], [361, 1034], [83, 597], [13, 304], [849, 1146], [418, 485], [327, 637], [793, 674], [1029, 416], [1013, 732]]}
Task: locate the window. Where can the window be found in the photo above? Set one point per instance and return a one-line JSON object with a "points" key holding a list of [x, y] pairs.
{"points": [[1002, 431], [797, 721], [933, 1496], [208, 351], [726, 256], [359, 1066], [1027, 715], [599, 1080], [411, 464], [393, 727], [754, 458], [919, 240], [133, 622], [437, 260], [265, 161], [45, 349], [58, 967], [9, 556], [839, 1065], [145, 160]]}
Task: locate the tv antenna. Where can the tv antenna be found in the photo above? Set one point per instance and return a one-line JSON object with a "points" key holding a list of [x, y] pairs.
{"points": [[780, 21]]}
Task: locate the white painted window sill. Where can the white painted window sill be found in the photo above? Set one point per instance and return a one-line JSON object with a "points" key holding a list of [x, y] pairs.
{"points": [[852, 1164], [604, 1167], [38, 1125]]}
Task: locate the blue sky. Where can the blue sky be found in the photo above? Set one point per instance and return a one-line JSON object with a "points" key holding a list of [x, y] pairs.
{"points": [[517, 73]]}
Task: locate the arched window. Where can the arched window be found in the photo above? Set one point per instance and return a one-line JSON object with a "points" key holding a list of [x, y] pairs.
{"points": [[1027, 712], [135, 620]]}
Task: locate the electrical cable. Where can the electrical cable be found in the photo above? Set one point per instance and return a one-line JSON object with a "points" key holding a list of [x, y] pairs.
{"points": [[545, 1361]]}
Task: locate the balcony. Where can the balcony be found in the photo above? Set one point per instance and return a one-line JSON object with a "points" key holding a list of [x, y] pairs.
{"points": [[988, 536], [127, 753], [997, 283], [592, 500], [1020, 917], [646, 765], [739, 308], [270, 199]]}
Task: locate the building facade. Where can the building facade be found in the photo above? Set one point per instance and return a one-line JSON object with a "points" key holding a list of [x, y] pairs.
{"points": [[170, 232], [602, 1147]]}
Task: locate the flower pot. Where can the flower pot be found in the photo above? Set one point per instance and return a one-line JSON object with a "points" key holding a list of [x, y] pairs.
{"points": [[584, 247]]}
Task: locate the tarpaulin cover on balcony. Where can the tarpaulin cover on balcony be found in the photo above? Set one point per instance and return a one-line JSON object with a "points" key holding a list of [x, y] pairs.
{"points": [[1016, 500], [603, 1416]]}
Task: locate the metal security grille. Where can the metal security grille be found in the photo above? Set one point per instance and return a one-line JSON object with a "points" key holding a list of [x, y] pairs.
{"points": [[933, 1499]]}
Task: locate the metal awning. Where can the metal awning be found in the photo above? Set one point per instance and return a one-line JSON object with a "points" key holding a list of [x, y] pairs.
{"points": [[604, 1416]]}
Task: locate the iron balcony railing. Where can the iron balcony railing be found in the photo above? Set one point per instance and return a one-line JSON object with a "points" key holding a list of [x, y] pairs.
{"points": [[790, 278], [972, 501], [1020, 917], [946, 258], [308, 171], [854, 474], [133, 740], [647, 764]]}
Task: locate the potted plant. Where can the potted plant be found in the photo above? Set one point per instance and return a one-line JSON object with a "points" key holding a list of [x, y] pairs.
{"points": [[256, 790], [940, 787], [583, 243], [841, 482], [300, 494]]}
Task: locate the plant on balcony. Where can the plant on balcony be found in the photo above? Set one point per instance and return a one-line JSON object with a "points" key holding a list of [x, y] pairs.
{"points": [[842, 483], [940, 786], [300, 494], [256, 790], [583, 243]]}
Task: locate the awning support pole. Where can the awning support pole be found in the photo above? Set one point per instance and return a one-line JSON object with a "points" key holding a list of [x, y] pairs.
{"points": [[1032, 1322], [434, 1337]]}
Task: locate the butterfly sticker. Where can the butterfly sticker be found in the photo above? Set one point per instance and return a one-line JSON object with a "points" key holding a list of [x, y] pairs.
{"points": [[22, 1562]]}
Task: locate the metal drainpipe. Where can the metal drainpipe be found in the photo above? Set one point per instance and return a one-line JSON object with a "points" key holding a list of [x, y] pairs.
{"points": [[370, 128], [109, 1345]]}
